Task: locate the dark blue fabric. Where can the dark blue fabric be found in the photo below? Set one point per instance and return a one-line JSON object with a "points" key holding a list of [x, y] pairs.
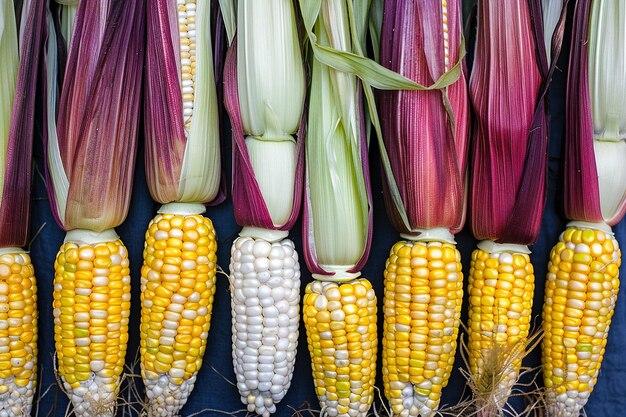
{"points": [[215, 392]]}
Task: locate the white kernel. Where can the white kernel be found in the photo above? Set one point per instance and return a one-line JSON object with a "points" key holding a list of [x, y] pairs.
{"points": [[264, 291], [166, 341], [97, 366], [171, 325], [278, 293], [262, 249], [261, 264], [82, 341]]}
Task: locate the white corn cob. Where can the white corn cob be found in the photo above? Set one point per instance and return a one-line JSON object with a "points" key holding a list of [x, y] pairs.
{"points": [[265, 296]]}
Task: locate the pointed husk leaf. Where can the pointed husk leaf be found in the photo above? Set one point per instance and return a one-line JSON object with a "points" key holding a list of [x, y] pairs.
{"points": [[552, 10]]}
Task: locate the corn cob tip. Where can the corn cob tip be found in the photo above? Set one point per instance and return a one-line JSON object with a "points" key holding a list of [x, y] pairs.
{"points": [[415, 400], [94, 397], [568, 404], [182, 209], [16, 400], [268, 235], [165, 397], [435, 234], [265, 288]]}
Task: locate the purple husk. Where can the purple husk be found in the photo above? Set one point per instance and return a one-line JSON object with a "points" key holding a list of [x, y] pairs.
{"points": [[524, 219], [164, 135], [416, 178], [107, 101], [15, 207], [581, 191], [531, 196]]}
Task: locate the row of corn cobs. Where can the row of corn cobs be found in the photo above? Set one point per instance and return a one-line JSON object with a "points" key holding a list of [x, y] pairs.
{"points": [[423, 277]]}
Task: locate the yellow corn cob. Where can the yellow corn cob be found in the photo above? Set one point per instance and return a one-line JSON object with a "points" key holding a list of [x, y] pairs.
{"points": [[177, 289], [340, 321], [501, 285], [423, 297], [91, 309], [179, 259], [18, 333], [581, 291]]}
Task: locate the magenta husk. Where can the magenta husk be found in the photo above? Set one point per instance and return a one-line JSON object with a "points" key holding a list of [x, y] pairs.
{"points": [[15, 207], [427, 151], [248, 202], [511, 140]]}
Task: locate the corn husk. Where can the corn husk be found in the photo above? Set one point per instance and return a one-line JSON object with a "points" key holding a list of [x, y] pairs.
{"points": [[507, 87], [425, 132], [19, 69], [182, 156], [337, 190], [552, 11], [264, 96], [595, 146], [95, 92]]}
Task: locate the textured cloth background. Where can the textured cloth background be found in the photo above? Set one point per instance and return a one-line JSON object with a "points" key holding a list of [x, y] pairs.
{"points": [[215, 393]]}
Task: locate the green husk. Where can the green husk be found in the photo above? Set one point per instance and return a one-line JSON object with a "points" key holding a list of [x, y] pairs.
{"points": [[9, 59]]}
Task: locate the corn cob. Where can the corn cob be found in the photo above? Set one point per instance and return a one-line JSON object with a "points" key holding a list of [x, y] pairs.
{"points": [[91, 309], [265, 99], [265, 284], [425, 198], [508, 191], [18, 333], [423, 296], [583, 273], [339, 307], [183, 173], [581, 291], [90, 151], [340, 321], [501, 287], [177, 289], [21, 39]]}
